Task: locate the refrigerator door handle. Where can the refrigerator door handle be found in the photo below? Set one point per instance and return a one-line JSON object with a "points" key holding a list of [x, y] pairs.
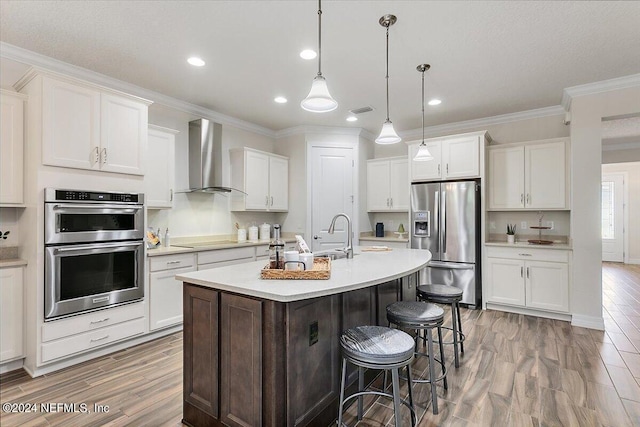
{"points": [[436, 220], [444, 222], [450, 265]]}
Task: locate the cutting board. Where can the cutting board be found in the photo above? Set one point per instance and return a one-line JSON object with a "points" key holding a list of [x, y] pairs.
{"points": [[375, 249]]}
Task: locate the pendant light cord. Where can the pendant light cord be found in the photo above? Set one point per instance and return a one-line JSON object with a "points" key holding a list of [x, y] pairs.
{"points": [[423, 107], [387, 77], [319, 36]]}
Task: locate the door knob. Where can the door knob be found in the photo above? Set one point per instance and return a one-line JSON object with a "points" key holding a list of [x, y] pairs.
{"points": [[316, 237]]}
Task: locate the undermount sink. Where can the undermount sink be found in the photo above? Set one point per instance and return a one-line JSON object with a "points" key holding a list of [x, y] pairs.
{"points": [[332, 254]]}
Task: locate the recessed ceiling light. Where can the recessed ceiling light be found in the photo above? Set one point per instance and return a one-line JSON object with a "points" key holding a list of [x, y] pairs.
{"points": [[352, 119], [308, 54], [280, 99], [435, 102], [195, 61]]}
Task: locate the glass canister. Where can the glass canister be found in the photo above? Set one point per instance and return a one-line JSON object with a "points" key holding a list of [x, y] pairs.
{"points": [[276, 250]]}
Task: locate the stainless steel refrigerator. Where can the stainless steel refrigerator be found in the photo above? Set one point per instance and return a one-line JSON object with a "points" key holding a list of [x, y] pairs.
{"points": [[445, 219]]}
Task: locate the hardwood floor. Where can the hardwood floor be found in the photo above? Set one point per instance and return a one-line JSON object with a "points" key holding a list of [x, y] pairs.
{"points": [[516, 371]]}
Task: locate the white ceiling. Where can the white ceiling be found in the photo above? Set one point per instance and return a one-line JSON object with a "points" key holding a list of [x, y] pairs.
{"points": [[487, 58]]}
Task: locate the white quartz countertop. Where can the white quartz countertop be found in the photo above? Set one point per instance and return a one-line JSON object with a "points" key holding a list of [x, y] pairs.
{"points": [[208, 246], [364, 270]]}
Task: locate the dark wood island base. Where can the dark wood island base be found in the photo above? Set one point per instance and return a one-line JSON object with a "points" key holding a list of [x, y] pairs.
{"points": [[256, 362]]}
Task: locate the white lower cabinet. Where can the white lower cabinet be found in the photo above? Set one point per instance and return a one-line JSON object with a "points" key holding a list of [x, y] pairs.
{"points": [[67, 337], [165, 292], [531, 278], [11, 314]]}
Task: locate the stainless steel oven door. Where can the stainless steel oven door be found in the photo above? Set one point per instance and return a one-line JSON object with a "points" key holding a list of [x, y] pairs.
{"points": [[77, 222], [86, 277]]}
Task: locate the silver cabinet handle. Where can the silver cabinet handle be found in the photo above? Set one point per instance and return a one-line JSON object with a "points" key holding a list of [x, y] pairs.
{"points": [[97, 155], [98, 321], [528, 199], [104, 155], [525, 254], [271, 200], [521, 198], [527, 272], [100, 339], [521, 271], [173, 262], [438, 168], [387, 202], [266, 200], [391, 201], [171, 195], [447, 168]]}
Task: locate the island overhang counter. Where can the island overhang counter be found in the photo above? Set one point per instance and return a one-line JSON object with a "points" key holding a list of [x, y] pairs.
{"points": [[266, 352]]}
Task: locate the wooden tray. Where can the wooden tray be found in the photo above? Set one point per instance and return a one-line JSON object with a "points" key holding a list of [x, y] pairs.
{"points": [[321, 271], [540, 242]]}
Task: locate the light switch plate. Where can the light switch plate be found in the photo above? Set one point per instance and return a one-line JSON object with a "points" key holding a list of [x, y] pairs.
{"points": [[523, 225]]}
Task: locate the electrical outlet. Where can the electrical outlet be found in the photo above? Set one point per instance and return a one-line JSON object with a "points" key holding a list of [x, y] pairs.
{"points": [[492, 225], [550, 224], [523, 225]]}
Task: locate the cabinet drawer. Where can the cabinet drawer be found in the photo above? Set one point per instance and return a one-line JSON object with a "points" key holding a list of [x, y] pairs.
{"points": [[171, 261], [88, 340], [525, 253], [88, 322], [225, 255]]}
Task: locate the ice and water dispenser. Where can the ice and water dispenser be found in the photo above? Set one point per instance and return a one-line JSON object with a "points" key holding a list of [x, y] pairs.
{"points": [[421, 223]]}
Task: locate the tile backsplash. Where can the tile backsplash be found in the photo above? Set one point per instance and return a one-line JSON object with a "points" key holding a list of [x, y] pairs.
{"points": [[560, 220], [9, 230]]}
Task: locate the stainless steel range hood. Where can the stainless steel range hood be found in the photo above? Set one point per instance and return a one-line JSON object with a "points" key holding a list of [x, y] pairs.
{"points": [[205, 157]]}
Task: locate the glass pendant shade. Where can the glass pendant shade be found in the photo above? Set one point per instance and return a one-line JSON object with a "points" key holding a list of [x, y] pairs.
{"points": [[423, 154], [319, 99], [388, 134]]}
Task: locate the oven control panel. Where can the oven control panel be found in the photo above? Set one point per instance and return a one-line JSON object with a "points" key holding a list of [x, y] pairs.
{"points": [[94, 196]]}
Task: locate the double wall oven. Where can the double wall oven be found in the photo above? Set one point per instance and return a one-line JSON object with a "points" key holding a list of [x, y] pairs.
{"points": [[94, 250]]}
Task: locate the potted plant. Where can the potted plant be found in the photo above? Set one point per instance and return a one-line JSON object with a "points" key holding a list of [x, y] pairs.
{"points": [[511, 233]]}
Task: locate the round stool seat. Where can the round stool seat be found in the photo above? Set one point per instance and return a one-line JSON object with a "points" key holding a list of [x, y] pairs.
{"points": [[439, 292], [414, 313], [377, 344]]}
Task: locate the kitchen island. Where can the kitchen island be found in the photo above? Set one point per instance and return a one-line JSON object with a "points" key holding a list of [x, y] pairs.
{"points": [[266, 352]]}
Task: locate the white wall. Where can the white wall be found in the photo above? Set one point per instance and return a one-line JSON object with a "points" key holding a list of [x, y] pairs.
{"points": [[587, 112], [621, 156], [295, 147], [633, 205]]}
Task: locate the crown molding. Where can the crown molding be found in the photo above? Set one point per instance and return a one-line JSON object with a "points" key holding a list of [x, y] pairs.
{"points": [[51, 64], [483, 122], [620, 146], [598, 87], [325, 130]]}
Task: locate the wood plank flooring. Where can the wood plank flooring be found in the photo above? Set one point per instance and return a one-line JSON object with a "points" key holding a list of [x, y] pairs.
{"points": [[516, 371]]}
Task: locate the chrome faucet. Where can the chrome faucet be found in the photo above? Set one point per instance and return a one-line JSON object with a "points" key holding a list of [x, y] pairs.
{"points": [[349, 249]]}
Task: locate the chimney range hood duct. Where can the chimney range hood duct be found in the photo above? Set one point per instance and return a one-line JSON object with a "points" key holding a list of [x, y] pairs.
{"points": [[205, 157]]}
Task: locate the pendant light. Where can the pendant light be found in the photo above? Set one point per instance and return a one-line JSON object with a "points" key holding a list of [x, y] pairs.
{"points": [[423, 153], [319, 99], [387, 135]]}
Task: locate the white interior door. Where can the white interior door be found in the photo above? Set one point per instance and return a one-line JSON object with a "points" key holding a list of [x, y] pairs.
{"points": [[612, 217], [331, 193]]}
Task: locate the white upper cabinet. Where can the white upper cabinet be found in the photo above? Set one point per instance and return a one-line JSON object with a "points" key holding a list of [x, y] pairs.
{"points": [[11, 147], [85, 126], [529, 176], [264, 177], [160, 176], [454, 157], [387, 185]]}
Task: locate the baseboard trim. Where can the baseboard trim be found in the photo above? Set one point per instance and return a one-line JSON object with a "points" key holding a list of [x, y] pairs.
{"points": [[14, 365], [530, 312], [633, 261], [589, 322]]}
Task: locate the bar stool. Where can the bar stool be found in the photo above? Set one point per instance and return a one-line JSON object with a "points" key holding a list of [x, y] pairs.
{"points": [[377, 347], [422, 316], [443, 294]]}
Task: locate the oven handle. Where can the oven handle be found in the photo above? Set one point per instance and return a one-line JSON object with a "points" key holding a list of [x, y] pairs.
{"points": [[97, 207], [85, 248]]}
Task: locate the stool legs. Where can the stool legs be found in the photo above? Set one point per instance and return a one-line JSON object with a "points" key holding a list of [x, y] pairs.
{"points": [[342, 384], [442, 356], [396, 396], [460, 327], [432, 372], [360, 388]]}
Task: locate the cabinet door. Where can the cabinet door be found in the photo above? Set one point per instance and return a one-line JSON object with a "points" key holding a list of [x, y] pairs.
{"points": [[378, 186], [70, 125], [160, 176], [123, 135], [256, 180], [165, 298], [430, 170], [11, 148], [201, 351], [461, 158], [278, 183], [545, 179], [399, 185], [506, 281], [11, 318], [547, 285], [506, 178]]}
